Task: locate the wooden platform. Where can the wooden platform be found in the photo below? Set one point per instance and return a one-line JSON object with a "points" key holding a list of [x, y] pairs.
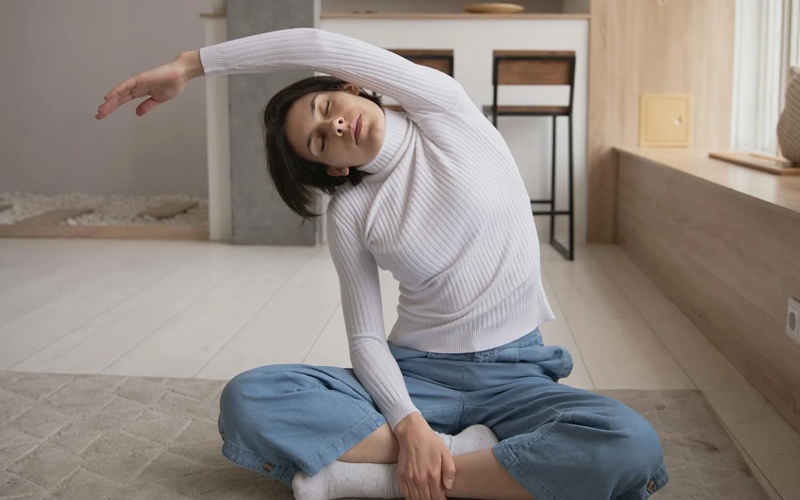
{"points": [[110, 232], [46, 225], [170, 209], [53, 216], [773, 165], [723, 242], [776, 191]]}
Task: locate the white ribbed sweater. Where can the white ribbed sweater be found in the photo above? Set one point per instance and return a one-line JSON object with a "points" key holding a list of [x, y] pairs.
{"points": [[445, 211]]}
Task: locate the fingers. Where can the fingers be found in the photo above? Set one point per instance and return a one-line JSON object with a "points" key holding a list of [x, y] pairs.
{"points": [[435, 490], [448, 471], [427, 487], [110, 106], [117, 97], [146, 106], [124, 88], [432, 490], [419, 489], [423, 493], [422, 487], [404, 489]]}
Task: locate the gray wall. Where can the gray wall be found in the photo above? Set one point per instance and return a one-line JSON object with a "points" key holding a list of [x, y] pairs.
{"points": [[577, 6], [58, 59], [259, 215]]}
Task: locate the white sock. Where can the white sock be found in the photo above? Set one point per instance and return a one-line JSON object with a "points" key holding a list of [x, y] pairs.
{"points": [[352, 480], [348, 480], [473, 438]]}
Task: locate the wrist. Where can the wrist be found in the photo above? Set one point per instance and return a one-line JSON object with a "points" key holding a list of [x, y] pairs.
{"points": [[192, 65], [411, 421]]}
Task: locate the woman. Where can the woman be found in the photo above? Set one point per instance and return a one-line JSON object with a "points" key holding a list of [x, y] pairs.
{"points": [[434, 196]]}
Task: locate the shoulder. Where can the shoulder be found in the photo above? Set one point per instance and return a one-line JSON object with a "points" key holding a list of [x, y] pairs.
{"points": [[343, 213], [340, 204], [465, 115]]}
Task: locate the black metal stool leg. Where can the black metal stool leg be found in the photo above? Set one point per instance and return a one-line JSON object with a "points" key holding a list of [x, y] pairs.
{"points": [[569, 251], [553, 187], [571, 195]]}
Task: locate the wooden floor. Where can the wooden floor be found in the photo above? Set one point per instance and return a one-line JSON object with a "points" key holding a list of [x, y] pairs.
{"points": [[207, 310]]}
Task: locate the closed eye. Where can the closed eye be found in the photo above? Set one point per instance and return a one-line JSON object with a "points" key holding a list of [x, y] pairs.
{"points": [[327, 112]]}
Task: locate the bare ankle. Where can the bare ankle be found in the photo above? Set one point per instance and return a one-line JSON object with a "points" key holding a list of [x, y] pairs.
{"points": [[380, 447]]}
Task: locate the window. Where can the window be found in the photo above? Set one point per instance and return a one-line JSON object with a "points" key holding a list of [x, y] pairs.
{"points": [[767, 44], [794, 33]]}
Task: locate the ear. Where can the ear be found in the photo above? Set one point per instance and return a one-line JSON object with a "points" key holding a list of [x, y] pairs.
{"points": [[338, 171], [351, 88]]}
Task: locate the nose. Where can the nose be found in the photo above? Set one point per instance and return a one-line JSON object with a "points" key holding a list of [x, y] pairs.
{"points": [[338, 126]]}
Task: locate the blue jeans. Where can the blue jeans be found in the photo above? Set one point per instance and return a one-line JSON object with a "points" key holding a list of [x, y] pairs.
{"points": [[558, 442]]}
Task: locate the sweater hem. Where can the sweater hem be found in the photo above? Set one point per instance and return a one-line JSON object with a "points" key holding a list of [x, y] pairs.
{"points": [[458, 342]]}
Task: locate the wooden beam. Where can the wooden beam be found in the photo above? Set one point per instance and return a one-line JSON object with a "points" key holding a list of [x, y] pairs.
{"points": [[169, 209], [110, 232], [53, 217]]}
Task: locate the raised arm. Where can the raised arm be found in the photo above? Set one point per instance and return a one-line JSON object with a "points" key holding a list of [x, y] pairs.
{"points": [[417, 88]]}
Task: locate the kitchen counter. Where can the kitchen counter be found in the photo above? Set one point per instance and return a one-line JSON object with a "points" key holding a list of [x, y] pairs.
{"points": [[446, 15]]}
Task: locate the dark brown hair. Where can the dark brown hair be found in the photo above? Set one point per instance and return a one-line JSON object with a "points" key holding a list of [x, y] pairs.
{"points": [[294, 177]]}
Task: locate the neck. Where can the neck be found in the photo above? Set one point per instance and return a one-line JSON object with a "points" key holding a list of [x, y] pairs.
{"points": [[397, 127]]}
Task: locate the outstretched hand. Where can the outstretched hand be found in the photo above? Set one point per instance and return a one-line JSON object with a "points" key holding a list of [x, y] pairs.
{"points": [[162, 83]]}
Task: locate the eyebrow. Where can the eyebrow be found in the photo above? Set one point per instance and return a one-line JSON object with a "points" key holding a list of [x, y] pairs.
{"points": [[313, 112]]}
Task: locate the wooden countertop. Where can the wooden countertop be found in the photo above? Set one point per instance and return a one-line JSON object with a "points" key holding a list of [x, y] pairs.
{"points": [[779, 190], [445, 15], [412, 15]]}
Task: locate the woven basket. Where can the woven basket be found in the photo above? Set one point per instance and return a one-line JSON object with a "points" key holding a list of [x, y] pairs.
{"points": [[789, 123]]}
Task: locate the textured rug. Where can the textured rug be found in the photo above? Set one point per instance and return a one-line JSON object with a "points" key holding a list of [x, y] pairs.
{"points": [[108, 437]]}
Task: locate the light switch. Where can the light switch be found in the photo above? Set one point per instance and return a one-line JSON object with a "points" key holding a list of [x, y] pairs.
{"points": [[665, 120]]}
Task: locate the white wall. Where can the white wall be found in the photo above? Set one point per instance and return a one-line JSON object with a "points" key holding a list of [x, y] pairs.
{"points": [[58, 59]]}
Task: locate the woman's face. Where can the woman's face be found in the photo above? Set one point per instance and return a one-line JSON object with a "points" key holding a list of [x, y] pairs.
{"points": [[336, 128]]}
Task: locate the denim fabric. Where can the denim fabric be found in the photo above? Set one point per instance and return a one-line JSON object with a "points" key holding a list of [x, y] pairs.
{"points": [[558, 442]]}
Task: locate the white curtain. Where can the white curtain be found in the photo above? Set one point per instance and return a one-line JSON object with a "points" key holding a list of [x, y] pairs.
{"points": [[758, 71], [794, 37]]}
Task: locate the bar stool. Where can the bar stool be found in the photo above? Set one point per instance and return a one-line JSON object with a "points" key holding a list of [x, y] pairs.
{"points": [[441, 59], [534, 67]]}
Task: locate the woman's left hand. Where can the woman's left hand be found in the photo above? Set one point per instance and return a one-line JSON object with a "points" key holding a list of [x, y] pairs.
{"points": [[161, 84], [425, 468]]}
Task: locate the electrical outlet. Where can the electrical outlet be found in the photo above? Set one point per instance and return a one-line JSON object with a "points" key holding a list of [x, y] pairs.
{"points": [[793, 320]]}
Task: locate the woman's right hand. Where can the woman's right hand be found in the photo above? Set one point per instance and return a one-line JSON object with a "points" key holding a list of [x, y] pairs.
{"points": [[162, 83], [425, 468]]}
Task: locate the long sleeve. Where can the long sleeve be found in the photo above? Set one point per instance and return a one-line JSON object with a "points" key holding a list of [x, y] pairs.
{"points": [[417, 88], [373, 363]]}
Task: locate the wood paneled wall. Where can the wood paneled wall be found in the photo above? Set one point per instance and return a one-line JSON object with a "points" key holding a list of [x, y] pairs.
{"points": [[639, 46]]}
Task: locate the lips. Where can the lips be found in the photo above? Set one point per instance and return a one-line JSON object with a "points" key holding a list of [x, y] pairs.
{"points": [[357, 129]]}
